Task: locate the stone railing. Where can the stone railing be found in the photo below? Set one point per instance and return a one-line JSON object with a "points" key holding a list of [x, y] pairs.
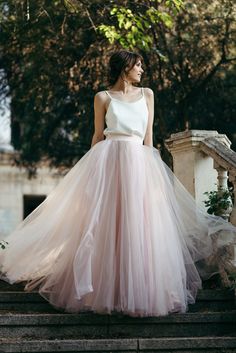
{"points": [[203, 161], [225, 164]]}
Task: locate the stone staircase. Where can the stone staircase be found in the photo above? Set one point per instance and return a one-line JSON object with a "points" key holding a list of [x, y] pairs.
{"points": [[29, 324]]}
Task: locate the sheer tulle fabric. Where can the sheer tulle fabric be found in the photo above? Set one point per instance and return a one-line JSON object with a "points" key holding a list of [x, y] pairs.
{"points": [[119, 233]]}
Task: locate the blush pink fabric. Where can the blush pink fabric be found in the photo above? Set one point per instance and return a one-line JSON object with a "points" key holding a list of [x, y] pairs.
{"points": [[119, 233]]}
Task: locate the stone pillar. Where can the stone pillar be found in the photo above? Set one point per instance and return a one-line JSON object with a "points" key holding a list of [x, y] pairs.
{"points": [[11, 207], [5, 133], [193, 167], [9, 214]]}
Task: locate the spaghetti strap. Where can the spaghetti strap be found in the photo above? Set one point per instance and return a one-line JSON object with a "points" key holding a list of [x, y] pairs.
{"points": [[142, 91], [108, 94]]}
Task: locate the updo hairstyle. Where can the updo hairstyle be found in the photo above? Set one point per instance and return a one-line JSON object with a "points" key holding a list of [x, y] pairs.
{"points": [[121, 62]]}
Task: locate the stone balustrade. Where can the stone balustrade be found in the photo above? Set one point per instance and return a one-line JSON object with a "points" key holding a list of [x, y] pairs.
{"points": [[225, 164], [203, 161]]}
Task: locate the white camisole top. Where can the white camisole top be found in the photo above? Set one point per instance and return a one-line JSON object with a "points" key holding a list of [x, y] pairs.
{"points": [[126, 118]]}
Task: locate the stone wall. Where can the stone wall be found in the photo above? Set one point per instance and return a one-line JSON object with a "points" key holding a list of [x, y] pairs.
{"points": [[15, 184]]}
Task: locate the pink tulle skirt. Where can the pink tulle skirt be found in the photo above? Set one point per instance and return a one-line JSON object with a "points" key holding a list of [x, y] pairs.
{"points": [[119, 233]]}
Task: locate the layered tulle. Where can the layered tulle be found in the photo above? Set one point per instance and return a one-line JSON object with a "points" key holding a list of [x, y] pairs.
{"points": [[119, 233]]}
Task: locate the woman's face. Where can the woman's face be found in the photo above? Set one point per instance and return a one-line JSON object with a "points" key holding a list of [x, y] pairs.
{"points": [[134, 75]]}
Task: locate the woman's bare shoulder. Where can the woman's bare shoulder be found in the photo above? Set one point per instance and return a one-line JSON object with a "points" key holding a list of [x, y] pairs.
{"points": [[101, 96], [148, 91]]}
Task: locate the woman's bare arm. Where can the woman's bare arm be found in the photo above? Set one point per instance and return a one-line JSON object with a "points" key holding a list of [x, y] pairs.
{"points": [[99, 117], [148, 139]]}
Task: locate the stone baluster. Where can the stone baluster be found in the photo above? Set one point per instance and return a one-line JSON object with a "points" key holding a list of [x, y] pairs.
{"points": [[222, 177]]}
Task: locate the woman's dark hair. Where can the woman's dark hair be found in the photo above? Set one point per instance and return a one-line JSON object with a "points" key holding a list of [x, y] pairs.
{"points": [[119, 62]]}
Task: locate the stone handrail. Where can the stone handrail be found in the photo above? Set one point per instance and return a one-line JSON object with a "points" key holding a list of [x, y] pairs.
{"points": [[221, 153]]}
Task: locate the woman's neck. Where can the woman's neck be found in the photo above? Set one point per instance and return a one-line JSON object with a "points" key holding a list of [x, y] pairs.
{"points": [[123, 86]]}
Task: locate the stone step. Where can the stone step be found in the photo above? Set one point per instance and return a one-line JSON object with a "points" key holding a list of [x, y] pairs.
{"points": [[160, 345], [18, 300], [214, 300], [8, 287], [24, 302], [90, 325]]}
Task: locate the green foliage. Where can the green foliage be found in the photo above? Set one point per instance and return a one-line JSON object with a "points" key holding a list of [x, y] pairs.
{"points": [[134, 29], [50, 106], [218, 201]]}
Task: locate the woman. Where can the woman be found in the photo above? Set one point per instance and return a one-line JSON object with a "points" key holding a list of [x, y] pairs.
{"points": [[120, 232], [122, 78]]}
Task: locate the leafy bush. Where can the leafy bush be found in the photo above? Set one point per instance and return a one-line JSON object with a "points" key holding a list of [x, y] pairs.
{"points": [[218, 201]]}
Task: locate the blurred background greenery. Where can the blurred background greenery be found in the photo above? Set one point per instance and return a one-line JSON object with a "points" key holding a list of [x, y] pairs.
{"points": [[54, 58]]}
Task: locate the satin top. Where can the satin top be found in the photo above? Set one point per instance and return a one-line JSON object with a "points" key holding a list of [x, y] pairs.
{"points": [[126, 118]]}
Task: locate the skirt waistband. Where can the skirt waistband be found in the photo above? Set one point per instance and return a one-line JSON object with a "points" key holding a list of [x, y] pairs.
{"points": [[120, 137]]}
